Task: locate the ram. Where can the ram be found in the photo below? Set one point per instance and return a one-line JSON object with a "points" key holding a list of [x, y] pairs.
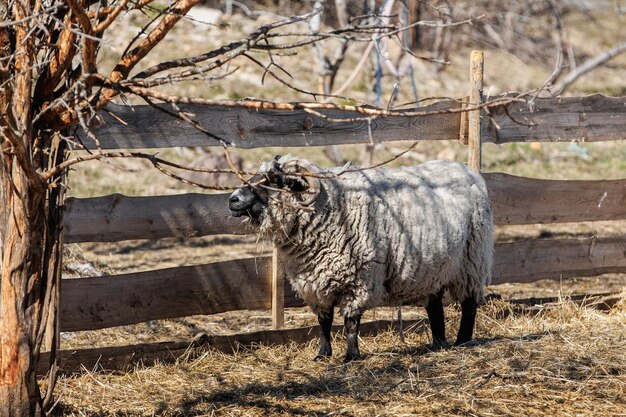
{"points": [[354, 239]]}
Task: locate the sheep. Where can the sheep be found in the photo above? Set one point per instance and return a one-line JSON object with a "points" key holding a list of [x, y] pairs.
{"points": [[356, 239]]}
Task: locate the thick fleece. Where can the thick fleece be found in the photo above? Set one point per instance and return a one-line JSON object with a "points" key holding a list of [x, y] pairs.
{"points": [[386, 237]]}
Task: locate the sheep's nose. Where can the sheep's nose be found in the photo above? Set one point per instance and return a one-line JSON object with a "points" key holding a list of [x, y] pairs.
{"points": [[233, 199]]}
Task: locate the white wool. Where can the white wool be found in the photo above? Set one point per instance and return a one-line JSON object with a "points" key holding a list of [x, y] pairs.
{"points": [[386, 237]]}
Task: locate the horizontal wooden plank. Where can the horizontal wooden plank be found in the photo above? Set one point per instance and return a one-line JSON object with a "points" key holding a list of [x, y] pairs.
{"points": [[532, 260], [588, 119], [520, 200], [116, 217], [516, 200], [107, 301], [123, 358], [126, 127], [101, 302]]}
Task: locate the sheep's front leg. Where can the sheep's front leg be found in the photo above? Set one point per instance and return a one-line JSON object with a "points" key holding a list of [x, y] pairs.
{"points": [[468, 318], [437, 319], [325, 320], [351, 326]]}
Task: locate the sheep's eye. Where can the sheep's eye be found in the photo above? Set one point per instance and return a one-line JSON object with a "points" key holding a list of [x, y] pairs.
{"points": [[295, 184]]}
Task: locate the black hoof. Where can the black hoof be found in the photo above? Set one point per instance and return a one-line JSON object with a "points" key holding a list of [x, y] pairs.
{"points": [[320, 358], [350, 358], [464, 342], [438, 346]]}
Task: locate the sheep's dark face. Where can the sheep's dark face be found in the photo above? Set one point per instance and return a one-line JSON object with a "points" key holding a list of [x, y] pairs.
{"points": [[275, 182], [251, 200]]}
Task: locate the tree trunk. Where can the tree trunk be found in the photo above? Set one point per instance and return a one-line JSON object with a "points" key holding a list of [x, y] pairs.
{"points": [[29, 238], [20, 293]]}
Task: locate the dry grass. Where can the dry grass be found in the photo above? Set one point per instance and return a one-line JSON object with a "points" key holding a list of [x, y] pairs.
{"points": [[562, 360]]}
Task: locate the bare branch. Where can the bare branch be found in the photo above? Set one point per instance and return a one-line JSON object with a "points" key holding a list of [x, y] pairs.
{"points": [[316, 106], [89, 48], [425, 23], [60, 62], [157, 162], [279, 79], [113, 14], [356, 71], [81, 15], [229, 51], [587, 66], [128, 61]]}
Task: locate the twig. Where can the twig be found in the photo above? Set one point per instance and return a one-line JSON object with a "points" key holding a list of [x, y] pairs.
{"points": [[587, 66], [128, 61], [269, 105], [112, 15], [156, 162], [426, 23], [356, 70], [244, 44]]}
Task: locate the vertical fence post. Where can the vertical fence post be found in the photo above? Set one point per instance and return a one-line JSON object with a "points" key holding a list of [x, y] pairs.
{"points": [[278, 292], [476, 98]]}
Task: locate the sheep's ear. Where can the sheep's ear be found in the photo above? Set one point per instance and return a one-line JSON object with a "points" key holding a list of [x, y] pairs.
{"points": [[277, 157]]}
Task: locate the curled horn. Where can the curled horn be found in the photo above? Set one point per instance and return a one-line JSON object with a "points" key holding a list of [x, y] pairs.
{"points": [[313, 184]]}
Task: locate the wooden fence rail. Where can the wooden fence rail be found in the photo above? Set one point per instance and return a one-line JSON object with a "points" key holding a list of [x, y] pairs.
{"points": [[101, 302], [587, 119], [254, 128], [592, 118], [516, 200], [125, 358], [115, 217]]}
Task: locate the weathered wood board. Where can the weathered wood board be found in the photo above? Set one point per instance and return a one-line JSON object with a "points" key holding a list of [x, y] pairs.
{"points": [[100, 302], [516, 200], [124, 358], [116, 217], [590, 118], [587, 119], [94, 303], [137, 127], [520, 200], [531, 260]]}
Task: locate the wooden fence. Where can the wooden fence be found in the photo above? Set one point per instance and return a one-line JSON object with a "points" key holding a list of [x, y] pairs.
{"points": [[102, 302]]}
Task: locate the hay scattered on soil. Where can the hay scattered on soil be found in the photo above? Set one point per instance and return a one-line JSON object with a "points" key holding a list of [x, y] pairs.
{"points": [[562, 360]]}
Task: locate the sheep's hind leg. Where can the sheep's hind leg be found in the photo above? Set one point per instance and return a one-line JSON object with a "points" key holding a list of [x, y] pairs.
{"points": [[468, 318], [325, 320], [351, 325], [437, 319]]}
